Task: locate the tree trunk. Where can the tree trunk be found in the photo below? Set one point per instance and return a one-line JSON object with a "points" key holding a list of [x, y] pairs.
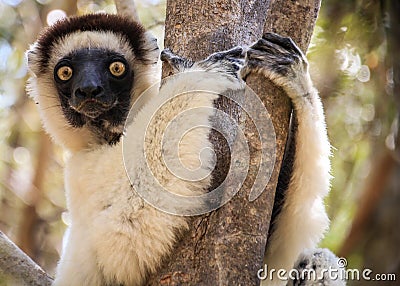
{"points": [[227, 246]]}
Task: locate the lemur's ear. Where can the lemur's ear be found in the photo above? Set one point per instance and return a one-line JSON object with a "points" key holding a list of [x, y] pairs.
{"points": [[175, 62], [150, 47], [31, 56]]}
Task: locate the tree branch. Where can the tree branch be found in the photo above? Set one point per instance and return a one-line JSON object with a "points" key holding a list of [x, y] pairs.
{"points": [[15, 263]]}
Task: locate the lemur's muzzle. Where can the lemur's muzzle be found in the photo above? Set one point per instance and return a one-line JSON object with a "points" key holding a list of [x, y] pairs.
{"points": [[90, 96]]}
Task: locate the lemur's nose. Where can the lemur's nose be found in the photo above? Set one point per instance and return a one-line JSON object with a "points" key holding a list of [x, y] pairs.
{"points": [[89, 91]]}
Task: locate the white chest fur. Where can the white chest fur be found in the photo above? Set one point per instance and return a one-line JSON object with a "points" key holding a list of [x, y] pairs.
{"points": [[108, 219]]}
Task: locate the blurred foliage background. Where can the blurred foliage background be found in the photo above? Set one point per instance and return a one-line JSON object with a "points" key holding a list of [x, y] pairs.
{"points": [[353, 63]]}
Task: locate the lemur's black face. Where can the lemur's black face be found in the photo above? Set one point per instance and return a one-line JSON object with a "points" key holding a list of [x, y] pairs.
{"points": [[94, 89]]}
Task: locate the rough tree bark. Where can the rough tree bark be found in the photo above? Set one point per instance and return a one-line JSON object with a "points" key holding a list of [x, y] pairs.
{"points": [[227, 246]]}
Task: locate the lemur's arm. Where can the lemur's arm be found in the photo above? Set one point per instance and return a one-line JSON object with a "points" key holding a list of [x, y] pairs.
{"points": [[302, 219]]}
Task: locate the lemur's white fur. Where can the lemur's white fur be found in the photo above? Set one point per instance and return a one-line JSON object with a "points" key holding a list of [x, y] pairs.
{"points": [[303, 219], [116, 237], [127, 237], [302, 225], [312, 266]]}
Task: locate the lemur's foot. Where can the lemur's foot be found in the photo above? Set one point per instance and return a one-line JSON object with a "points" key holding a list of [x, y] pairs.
{"points": [[176, 62], [312, 268], [280, 60], [230, 61]]}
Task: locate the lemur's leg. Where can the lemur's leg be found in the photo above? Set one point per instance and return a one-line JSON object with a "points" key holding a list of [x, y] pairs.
{"points": [[302, 220], [78, 262], [176, 62], [318, 260]]}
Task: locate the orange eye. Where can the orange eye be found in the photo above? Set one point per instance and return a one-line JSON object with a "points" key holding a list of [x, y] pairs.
{"points": [[117, 68], [64, 73]]}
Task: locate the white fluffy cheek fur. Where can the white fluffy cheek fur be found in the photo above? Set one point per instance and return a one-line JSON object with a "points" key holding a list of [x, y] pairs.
{"points": [[45, 94], [144, 77]]}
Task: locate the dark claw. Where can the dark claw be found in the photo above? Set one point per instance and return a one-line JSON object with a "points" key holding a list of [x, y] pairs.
{"points": [[167, 54], [175, 61], [275, 54], [274, 49], [232, 54], [230, 60], [284, 42], [271, 53], [280, 60], [261, 59]]}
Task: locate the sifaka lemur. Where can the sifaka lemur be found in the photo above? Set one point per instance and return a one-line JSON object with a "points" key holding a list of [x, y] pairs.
{"points": [[86, 73]]}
